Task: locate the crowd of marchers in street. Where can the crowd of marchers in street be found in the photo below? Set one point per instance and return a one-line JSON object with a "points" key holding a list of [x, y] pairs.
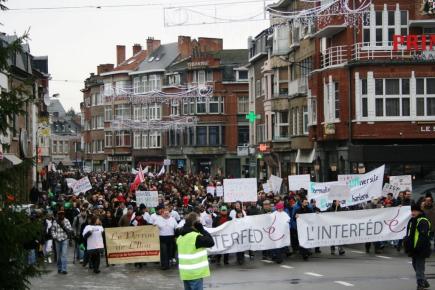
{"points": [[79, 220]]}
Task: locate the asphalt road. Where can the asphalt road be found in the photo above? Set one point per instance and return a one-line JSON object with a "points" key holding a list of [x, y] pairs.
{"points": [[354, 270]]}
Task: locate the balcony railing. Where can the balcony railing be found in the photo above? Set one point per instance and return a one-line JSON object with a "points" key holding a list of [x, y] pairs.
{"points": [[365, 51], [336, 55], [298, 86]]}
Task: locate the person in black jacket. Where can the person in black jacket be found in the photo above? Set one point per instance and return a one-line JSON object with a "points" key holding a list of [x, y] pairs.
{"points": [[302, 210], [417, 244]]}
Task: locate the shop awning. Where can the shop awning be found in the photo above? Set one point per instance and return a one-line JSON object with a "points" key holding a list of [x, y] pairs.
{"points": [[12, 158], [305, 156]]}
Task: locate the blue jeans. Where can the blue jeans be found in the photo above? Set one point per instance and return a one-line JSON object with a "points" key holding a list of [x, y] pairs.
{"points": [[79, 253], [194, 284], [61, 252], [31, 257]]}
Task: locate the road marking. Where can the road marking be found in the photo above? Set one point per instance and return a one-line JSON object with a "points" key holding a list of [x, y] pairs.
{"points": [[404, 278], [287, 267], [266, 261], [357, 252], [409, 262], [313, 274], [344, 283], [384, 257]]}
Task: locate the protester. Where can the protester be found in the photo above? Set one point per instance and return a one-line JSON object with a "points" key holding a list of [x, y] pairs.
{"points": [[220, 219], [60, 231], [303, 209], [167, 225], [429, 211], [47, 238], [93, 234], [417, 244], [192, 255], [79, 220], [336, 207]]}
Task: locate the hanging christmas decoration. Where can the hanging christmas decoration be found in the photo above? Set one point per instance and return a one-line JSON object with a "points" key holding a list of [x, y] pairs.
{"points": [[183, 93], [322, 12], [166, 124]]}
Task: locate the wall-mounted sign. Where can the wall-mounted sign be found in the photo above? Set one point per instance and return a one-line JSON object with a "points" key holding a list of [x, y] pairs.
{"points": [[414, 42], [427, 128], [263, 147], [197, 64], [329, 129]]}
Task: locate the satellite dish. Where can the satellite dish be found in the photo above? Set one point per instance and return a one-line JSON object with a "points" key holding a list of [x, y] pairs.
{"points": [[47, 99]]}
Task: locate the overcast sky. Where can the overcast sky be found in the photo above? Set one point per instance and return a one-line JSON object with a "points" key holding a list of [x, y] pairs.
{"points": [[77, 40]]}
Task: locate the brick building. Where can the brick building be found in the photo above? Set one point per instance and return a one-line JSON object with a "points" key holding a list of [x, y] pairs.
{"points": [[373, 102], [212, 145]]}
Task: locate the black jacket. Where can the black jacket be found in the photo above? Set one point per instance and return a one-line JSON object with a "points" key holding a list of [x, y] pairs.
{"points": [[423, 248], [204, 240]]}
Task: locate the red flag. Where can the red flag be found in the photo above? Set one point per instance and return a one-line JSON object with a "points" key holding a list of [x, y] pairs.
{"points": [[137, 180]]}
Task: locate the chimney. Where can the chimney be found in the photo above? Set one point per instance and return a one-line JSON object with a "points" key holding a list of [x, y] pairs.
{"points": [[102, 68], [210, 44], [120, 54], [136, 48], [152, 45], [184, 46]]}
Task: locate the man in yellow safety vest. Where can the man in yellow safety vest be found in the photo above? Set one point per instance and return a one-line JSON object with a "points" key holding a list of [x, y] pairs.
{"points": [[192, 253], [417, 244]]}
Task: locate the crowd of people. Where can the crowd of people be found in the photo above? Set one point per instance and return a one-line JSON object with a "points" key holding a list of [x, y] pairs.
{"points": [[79, 220]]}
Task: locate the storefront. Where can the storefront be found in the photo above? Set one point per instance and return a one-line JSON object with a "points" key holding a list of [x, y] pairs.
{"points": [[119, 163]]}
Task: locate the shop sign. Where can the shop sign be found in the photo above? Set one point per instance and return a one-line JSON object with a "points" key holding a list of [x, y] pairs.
{"points": [[414, 42], [427, 128], [242, 151], [329, 129], [119, 158], [197, 64]]}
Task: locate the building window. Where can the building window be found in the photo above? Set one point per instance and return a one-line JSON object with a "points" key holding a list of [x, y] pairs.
{"points": [[108, 139], [392, 97], [108, 89], [242, 135], [260, 133], [54, 149], [201, 77], [214, 105], [258, 89], [144, 137], [336, 100], [242, 75], [100, 122], [294, 122], [379, 25], [425, 97], [305, 120], [201, 106], [145, 84], [312, 110], [123, 112], [364, 100], [136, 85], [175, 108], [213, 135], [144, 112], [243, 105], [155, 83], [137, 140], [201, 136], [108, 114], [306, 66], [155, 140], [281, 126], [122, 138], [155, 112], [137, 113]]}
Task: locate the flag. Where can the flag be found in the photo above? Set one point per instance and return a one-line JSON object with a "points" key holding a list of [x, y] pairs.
{"points": [[162, 171], [137, 180]]}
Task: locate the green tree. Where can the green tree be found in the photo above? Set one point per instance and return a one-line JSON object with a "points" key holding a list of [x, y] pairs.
{"points": [[16, 226]]}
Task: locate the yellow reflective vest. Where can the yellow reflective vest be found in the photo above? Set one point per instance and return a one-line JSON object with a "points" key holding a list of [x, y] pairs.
{"points": [[192, 262]]}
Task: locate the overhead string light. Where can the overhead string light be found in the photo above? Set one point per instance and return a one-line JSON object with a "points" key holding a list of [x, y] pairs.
{"points": [[166, 124], [156, 96], [324, 13]]}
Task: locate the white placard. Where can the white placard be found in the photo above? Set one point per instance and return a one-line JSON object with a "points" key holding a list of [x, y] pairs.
{"points": [[352, 227], [339, 191], [404, 182], [148, 198], [240, 189], [251, 233], [70, 182], [266, 187], [211, 190], [389, 188], [363, 188], [81, 185], [296, 182], [275, 183], [167, 162], [219, 191]]}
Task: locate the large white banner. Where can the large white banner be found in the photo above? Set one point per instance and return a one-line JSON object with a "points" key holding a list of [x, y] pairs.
{"points": [[260, 232], [296, 182], [81, 185], [404, 182], [363, 187], [352, 227], [240, 189]]}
